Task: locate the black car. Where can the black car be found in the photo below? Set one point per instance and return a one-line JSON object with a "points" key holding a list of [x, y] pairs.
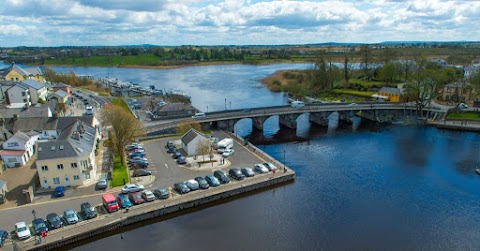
{"points": [[39, 226], [236, 174], [142, 165], [171, 149], [221, 176], [181, 188], [176, 154], [248, 172], [181, 160], [169, 144], [202, 183], [141, 172], [88, 210], [54, 221], [3, 237], [161, 193]]}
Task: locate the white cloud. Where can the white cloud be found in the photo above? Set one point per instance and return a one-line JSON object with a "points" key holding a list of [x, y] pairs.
{"points": [[176, 22]]}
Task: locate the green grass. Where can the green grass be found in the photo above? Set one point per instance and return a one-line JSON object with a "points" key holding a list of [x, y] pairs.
{"points": [[143, 59], [120, 102], [119, 173], [464, 115], [365, 94], [366, 83]]}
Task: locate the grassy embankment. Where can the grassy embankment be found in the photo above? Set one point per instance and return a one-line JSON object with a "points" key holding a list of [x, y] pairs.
{"points": [[119, 173], [282, 81], [464, 115]]}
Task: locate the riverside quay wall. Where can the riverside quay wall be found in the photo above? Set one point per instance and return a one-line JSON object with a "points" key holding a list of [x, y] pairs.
{"points": [[114, 221]]}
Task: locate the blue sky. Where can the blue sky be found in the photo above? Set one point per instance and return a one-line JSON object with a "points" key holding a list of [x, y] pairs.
{"points": [[238, 22]]}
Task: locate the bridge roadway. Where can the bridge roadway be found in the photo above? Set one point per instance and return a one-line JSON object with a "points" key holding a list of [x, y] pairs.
{"points": [[153, 126]]}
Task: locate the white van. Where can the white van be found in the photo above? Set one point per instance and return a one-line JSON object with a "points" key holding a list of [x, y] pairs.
{"points": [[298, 104], [199, 115]]}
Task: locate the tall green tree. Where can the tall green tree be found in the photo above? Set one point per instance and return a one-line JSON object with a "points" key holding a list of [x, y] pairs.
{"points": [[366, 58], [388, 73]]}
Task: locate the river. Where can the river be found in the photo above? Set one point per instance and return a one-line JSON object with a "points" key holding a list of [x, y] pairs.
{"points": [[376, 187]]}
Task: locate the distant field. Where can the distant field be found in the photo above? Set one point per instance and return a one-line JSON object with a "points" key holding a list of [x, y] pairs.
{"points": [[144, 59]]}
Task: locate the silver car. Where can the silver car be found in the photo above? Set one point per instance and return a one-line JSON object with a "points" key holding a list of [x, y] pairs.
{"points": [[70, 216], [260, 168], [192, 185], [131, 188], [270, 166]]}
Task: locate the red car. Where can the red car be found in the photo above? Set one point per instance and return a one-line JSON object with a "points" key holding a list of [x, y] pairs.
{"points": [[136, 198]]}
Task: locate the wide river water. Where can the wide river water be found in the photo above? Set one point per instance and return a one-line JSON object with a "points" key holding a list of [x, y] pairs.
{"points": [[377, 187]]}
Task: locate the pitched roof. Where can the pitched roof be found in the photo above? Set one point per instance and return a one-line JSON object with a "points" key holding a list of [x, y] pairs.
{"points": [[64, 122], [20, 137], [191, 135], [32, 83], [59, 85], [34, 71], [26, 112], [36, 124], [77, 140], [390, 90], [60, 93]]}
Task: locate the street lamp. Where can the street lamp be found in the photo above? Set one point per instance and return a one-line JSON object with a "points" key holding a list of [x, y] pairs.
{"points": [[207, 108], [284, 168], [230, 104], [225, 104]]}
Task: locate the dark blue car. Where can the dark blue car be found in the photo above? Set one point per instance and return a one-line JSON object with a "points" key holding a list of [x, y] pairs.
{"points": [[39, 225], [59, 191]]}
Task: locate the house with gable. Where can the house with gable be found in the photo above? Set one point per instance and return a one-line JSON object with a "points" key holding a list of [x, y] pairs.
{"points": [[58, 97], [61, 86], [18, 94], [190, 141], [69, 160], [17, 73], [388, 94], [18, 149], [37, 90]]}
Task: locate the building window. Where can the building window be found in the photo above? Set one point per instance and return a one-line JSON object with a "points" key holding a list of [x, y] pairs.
{"points": [[12, 160], [56, 181], [76, 177], [60, 166], [87, 176], [23, 94], [73, 165], [44, 168]]}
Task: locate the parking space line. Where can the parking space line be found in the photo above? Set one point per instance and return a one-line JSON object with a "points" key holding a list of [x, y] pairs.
{"points": [[166, 165]]}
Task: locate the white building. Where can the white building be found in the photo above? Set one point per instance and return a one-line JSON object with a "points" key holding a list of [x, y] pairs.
{"points": [[18, 94], [37, 90], [18, 149], [190, 141]]}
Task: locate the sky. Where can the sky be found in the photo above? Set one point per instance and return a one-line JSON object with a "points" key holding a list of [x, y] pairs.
{"points": [[233, 22]]}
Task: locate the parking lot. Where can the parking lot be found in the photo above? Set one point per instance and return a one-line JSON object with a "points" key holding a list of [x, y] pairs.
{"points": [[167, 172]]}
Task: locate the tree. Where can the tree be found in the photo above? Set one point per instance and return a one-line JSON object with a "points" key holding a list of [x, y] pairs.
{"points": [[475, 82], [366, 60], [182, 128], [423, 88], [388, 73], [124, 127], [346, 68], [203, 147]]}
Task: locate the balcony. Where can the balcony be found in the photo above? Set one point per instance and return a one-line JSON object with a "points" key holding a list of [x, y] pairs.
{"points": [[87, 168]]}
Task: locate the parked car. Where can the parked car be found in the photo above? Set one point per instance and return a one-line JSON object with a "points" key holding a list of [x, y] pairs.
{"points": [[141, 162], [138, 165], [136, 198], [248, 172], [462, 106], [102, 183], [138, 150], [70, 216], [212, 180], [138, 159], [192, 185], [228, 152], [148, 196], [22, 230], [161, 193], [88, 210], [3, 236], [54, 221], [59, 191], [169, 144], [236, 174], [141, 172], [171, 149], [39, 226], [202, 183], [176, 154], [136, 154], [132, 147], [123, 201], [260, 168], [221, 176], [131, 188], [181, 188], [270, 166], [181, 160]]}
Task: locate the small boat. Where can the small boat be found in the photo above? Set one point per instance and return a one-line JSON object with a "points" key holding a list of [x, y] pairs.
{"points": [[477, 170]]}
